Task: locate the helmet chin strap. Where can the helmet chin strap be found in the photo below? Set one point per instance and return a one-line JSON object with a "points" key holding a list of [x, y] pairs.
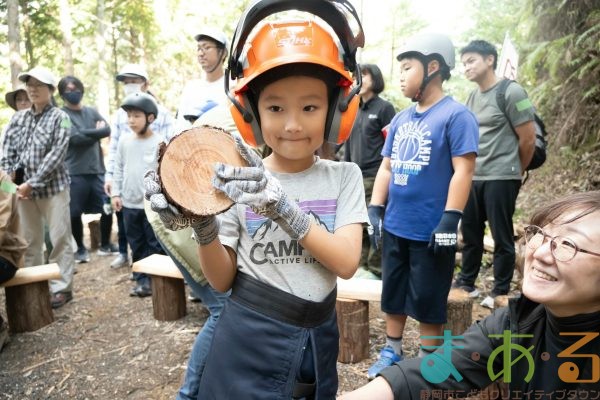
{"points": [[426, 79], [218, 63], [143, 132]]}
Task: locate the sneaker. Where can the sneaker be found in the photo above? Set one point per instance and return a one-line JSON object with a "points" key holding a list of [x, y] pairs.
{"points": [[471, 290], [82, 255], [60, 299], [141, 290], [122, 260], [386, 358], [192, 297], [108, 250], [488, 302]]}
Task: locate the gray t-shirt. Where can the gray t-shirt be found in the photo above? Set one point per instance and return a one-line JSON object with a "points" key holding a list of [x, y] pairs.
{"points": [[498, 156], [134, 157], [332, 193]]}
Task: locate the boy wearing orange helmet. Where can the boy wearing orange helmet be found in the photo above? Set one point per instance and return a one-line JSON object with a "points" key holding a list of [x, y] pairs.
{"points": [[296, 225]]}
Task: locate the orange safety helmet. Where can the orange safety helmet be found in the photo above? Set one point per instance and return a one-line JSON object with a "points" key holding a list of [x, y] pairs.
{"points": [[290, 42]]}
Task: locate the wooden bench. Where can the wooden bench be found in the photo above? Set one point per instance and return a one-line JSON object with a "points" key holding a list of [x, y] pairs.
{"points": [[352, 308], [168, 289], [28, 305]]}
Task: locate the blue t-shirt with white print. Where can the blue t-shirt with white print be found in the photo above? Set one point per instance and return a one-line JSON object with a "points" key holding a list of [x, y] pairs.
{"points": [[420, 147]]}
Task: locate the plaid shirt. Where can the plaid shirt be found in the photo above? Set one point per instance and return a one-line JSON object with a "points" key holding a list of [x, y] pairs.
{"points": [[38, 144]]}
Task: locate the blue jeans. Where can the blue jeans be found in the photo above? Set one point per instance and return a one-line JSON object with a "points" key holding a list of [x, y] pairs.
{"points": [[213, 301]]}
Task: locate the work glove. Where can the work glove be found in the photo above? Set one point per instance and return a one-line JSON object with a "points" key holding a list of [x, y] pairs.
{"points": [[444, 236], [262, 192], [375, 224], [206, 229]]}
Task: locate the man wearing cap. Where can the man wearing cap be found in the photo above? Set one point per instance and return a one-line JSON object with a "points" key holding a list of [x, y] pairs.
{"points": [[200, 95], [33, 152], [134, 79]]}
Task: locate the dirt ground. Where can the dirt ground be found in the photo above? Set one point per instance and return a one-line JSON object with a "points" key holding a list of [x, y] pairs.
{"points": [[107, 345]]}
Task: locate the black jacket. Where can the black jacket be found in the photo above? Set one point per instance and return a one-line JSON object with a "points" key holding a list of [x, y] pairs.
{"points": [[364, 145], [532, 327]]}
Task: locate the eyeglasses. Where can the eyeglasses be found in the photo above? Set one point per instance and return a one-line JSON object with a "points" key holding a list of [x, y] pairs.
{"points": [[205, 49], [563, 249]]}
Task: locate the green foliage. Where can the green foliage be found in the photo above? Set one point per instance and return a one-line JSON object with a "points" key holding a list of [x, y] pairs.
{"points": [[40, 32], [563, 67]]}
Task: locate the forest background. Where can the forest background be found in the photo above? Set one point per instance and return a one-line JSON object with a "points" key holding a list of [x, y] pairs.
{"points": [[558, 43]]}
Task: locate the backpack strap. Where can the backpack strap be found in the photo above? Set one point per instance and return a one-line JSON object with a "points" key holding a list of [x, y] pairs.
{"points": [[501, 99]]}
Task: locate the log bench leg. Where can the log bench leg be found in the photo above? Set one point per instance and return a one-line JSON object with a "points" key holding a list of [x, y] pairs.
{"points": [[459, 311], [168, 298], [94, 227], [28, 307], [353, 324]]}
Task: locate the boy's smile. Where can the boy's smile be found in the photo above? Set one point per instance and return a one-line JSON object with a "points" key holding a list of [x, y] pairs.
{"points": [[292, 113]]}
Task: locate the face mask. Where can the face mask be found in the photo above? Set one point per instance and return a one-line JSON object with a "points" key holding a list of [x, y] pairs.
{"points": [[131, 88], [73, 97]]}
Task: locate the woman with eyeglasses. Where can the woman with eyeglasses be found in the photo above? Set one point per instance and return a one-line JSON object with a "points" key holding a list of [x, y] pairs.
{"points": [[546, 343]]}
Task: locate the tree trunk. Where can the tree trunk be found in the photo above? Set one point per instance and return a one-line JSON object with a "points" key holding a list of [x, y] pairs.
{"points": [[67, 36], [14, 41], [102, 93]]}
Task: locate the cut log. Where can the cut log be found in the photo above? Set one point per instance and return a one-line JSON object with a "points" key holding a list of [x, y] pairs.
{"points": [[186, 169], [28, 306], [459, 310], [353, 324], [94, 227], [168, 298]]}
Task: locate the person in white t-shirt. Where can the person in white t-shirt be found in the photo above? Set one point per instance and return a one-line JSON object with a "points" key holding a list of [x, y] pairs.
{"points": [[200, 95]]}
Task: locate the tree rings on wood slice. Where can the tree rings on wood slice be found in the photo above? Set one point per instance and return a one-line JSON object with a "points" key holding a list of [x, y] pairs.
{"points": [[185, 167]]}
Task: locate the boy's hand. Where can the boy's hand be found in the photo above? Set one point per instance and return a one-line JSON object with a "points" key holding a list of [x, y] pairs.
{"points": [[258, 189], [375, 224], [116, 203], [444, 236], [206, 229]]}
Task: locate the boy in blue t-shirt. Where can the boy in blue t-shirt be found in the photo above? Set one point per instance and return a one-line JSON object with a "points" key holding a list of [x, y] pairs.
{"points": [[419, 193]]}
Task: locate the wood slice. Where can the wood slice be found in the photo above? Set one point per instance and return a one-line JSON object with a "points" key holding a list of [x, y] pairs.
{"points": [[186, 165]]}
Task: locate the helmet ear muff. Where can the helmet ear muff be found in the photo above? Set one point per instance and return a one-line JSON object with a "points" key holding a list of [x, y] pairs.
{"points": [[341, 116], [246, 121]]}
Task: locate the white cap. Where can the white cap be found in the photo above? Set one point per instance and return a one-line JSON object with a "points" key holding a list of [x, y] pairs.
{"points": [[214, 34], [132, 71], [41, 74]]}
